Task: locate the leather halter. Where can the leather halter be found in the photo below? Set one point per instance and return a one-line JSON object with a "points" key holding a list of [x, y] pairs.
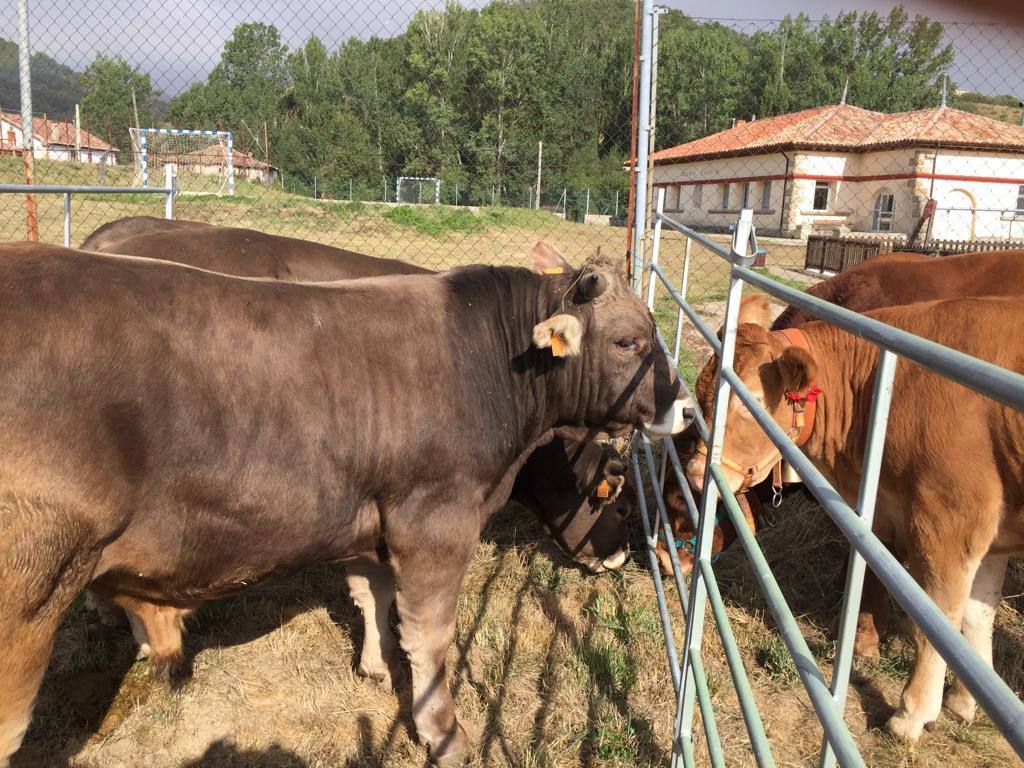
{"points": [[803, 409]]}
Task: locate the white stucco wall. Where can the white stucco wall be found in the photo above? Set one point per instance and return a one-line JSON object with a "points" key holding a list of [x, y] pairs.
{"points": [[986, 180]]}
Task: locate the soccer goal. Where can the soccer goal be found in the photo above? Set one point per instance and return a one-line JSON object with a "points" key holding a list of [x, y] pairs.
{"points": [[202, 159], [418, 189]]}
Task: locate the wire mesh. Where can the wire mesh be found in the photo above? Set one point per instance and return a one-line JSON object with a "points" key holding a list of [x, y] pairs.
{"points": [[847, 136]]}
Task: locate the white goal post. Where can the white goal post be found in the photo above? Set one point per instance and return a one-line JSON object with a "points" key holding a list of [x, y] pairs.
{"points": [[413, 186], [203, 159]]}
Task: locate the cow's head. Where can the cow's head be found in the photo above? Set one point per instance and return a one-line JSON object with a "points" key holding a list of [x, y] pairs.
{"points": [[604, 335], [576, 489], [771, 369]]}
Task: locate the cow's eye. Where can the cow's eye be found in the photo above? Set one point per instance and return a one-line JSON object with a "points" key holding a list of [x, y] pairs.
{"points": [[626, 343]]}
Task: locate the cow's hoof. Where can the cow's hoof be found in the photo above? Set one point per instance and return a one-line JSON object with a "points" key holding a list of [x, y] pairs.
{"points": [[905, 728], [960, 704], [451, 749]]}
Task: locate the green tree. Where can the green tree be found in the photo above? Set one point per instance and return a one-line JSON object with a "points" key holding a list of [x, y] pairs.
{"points": [[108, 83]]}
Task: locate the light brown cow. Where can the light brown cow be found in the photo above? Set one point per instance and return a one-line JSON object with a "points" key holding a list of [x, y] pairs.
{"points": [[951, 491]]}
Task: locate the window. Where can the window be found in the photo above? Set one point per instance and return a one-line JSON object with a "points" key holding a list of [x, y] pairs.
{"points": [[698, 193], [1020, 200], [725, 196], [881, 219], [679, 197], [766, 194], [820, 196], [745, 196]]}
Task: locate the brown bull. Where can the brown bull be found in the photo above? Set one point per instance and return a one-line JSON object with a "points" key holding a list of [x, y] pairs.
{"points": [[573, 488], [171, 435], [954, 507]]}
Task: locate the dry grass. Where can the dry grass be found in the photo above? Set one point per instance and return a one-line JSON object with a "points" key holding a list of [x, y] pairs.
{"points": [[550, 668]]}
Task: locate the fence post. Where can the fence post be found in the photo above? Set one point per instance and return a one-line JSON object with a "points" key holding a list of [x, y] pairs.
{"points": [[643, 138], [169, 181], [27, 142], [314, 187], [565, 204], [683, 283], [67, 219], [586, 209], [709, 497]]}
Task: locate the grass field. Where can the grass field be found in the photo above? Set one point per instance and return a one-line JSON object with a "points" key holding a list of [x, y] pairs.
{"points": [[550, 667]]}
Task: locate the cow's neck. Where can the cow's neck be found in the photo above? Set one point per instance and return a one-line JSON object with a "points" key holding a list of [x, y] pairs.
{"points": [[501, 308], [845, 374]]}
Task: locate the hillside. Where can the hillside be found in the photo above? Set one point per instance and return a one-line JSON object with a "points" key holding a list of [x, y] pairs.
{"points": [[1004, 108], [55, 87]]}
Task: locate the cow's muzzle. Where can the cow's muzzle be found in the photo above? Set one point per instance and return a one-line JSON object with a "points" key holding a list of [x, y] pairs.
{"points": [[674, 420]]}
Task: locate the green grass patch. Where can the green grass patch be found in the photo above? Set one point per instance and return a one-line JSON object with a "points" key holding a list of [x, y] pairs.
{"points": [[502, 217], [615, 740], [772, 655], [434, 220]]}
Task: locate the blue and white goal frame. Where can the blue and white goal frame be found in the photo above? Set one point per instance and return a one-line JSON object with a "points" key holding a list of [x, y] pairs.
{"points": [[144, 152]]}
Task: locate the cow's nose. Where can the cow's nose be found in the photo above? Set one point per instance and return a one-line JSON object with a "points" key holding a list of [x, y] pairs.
{"points": [[689, 414]]}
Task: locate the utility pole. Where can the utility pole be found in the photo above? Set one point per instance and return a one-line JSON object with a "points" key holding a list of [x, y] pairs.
{"points": [[78, 134], [540, 163], [266, 144], [25, 77]]}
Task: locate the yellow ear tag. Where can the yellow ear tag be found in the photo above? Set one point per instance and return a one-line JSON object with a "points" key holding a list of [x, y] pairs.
{"points": [[557, 345], [553, 271], [604, 490]]}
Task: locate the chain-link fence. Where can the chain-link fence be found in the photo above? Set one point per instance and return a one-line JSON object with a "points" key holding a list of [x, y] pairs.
{"points": [[520, 113], [447, 135]]}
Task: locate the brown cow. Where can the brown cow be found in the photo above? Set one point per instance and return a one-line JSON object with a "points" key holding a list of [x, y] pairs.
{"points": [[887, 280], [172, 435], [572, 488], [955, 507]]}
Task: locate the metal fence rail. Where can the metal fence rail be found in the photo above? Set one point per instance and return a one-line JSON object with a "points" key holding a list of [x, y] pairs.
{"points": [[168, 190], [999, 701]]}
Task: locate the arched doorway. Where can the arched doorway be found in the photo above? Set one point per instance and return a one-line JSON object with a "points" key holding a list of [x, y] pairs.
{"points": [[955, 216]]}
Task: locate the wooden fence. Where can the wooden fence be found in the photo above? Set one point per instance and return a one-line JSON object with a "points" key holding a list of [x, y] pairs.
{"points": [[830, 253]]}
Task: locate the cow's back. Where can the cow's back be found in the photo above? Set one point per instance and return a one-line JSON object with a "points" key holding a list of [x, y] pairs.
{"points": [[238, 251], [897, 279]]}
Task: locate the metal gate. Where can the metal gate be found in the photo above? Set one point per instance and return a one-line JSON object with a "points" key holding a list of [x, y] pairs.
{"points": [[827, 698]]}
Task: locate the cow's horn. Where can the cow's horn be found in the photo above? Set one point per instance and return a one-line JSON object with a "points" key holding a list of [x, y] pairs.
{"points": [[593, 285]]}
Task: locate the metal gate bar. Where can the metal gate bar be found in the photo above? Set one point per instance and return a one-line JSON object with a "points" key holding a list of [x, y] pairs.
{"points": [[1004, 708], [169, 190]]}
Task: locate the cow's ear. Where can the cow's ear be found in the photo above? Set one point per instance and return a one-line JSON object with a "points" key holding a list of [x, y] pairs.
{"points": [[755, 309], [547, 261], [797, 370], [562, 333]]}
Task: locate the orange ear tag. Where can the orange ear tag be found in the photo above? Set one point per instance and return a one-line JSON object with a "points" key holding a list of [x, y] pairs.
{"points": [[604, 490], [553, 271], [557, 345]]}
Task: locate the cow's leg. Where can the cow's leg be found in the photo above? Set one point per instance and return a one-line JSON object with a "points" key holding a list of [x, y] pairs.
{"points": [[158, 630], [979, 617], [873, 618], [429, 571], [948, 583], [46, 559], [371, 584]]}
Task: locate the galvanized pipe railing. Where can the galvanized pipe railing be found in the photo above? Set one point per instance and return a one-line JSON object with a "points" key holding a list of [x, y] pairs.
{"points": [[1005, 709], [169, 190]]}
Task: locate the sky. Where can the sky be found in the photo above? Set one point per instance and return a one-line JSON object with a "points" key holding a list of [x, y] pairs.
{"points": [[179, 41]]}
